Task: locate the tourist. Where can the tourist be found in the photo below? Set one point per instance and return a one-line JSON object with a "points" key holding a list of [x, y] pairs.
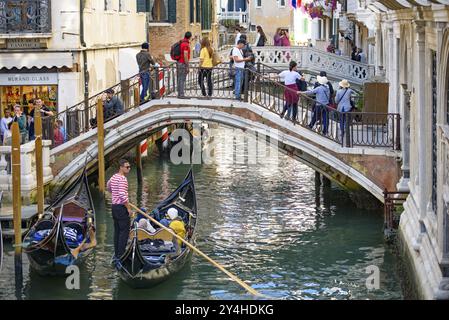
{"points": [[121, 211], [145, 62], [354, 53], [361, 57], [183, 64], [175, 223], [206, 66], [277, 39], [322, 93], [291, 97], [45, 112], [285, 38], [330, 48], [4, 123], [20, 118], [343, 100], [62, 129], [113, 107], [7, 134], [58, 137], [239, 63], [261, 38], [237, 36]]}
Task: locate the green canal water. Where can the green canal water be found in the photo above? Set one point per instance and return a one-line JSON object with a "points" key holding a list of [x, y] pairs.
{"points": [[267, 223]]}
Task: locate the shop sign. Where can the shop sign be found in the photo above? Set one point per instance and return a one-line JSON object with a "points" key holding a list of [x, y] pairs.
{"points": [[28, 79], [23, 44]]}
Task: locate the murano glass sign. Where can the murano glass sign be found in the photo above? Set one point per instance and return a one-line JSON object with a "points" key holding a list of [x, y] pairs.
{"points": [[27, 79]]}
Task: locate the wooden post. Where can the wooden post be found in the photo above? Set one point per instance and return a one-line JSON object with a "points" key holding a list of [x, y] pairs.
{"points": [[39, 162], [100, 128], [136, 97], [139, 164], [16, 198]]}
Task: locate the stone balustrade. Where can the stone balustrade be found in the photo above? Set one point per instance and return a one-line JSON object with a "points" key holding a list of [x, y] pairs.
{"points": [[28, 170], [313, 60]]}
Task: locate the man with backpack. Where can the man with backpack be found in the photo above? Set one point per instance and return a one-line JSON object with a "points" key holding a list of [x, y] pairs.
{"points": [[180, 52]]}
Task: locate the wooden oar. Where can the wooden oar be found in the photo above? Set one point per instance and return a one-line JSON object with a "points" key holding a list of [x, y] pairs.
{"points": [[216, 264], [93, 243]]}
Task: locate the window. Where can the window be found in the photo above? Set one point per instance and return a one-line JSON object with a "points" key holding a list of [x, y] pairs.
{"points": [[434, 130], [281, 3], [25, 16], [121, 6], [107, 5], [192, 11], [142, 5], [198, 10], [258, 3], [158, 11], [206, 14]]}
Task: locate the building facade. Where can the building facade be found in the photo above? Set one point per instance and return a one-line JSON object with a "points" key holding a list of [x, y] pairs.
{"points": [[63, 51], [168, 20], [408, 42]]}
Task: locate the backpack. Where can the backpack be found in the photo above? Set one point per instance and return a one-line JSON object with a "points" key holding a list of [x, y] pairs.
{"points": [[175, 51]]}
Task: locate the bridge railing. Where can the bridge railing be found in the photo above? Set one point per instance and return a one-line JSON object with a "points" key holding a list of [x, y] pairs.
{"points": [[314, 60], [349, 129]]}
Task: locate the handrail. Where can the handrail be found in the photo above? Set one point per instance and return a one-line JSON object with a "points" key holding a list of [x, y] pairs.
{"points": [[350, 129]]}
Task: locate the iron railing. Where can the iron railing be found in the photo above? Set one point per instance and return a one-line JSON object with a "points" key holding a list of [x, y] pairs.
{"points": [[350, 129], [17, 16], [393, 207]]}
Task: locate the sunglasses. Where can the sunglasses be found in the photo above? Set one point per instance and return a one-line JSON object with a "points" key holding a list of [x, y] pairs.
{"points": [[127, 167]]}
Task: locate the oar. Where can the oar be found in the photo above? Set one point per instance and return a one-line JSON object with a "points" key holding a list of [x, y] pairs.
{"points": [[216, 264], [77, 250]]}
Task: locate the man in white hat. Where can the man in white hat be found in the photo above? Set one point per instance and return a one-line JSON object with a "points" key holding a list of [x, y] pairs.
{"points": [[323, 96], [343, 100]]}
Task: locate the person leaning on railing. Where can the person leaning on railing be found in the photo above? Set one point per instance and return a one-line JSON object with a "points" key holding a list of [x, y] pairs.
{"points": [[145, 62], [343, 100], [45, 112], [20, 118]]}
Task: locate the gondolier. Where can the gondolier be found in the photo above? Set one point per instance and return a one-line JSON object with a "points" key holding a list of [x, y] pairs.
{"points": [[118, 186]]}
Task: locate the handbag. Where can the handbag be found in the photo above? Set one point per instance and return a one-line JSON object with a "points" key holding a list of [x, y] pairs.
{"points": [[215, 59]]}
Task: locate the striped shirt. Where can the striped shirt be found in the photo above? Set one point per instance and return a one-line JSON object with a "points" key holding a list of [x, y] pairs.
{"points": [[118, 186]]}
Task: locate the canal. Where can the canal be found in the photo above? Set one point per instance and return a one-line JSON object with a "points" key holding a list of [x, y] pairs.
{"points": [[268, 223]]}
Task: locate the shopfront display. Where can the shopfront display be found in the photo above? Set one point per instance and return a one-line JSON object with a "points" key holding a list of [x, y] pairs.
{"points": [[22, 88]]}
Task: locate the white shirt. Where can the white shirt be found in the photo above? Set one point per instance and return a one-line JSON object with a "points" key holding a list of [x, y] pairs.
{"points": [[237, 52], [237, 38], [289, 77]]}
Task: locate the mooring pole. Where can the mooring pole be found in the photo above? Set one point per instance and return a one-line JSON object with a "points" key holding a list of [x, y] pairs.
{"points": [[139, 164], [100, 128], [136, 97], [16, 201], [39, 162]]}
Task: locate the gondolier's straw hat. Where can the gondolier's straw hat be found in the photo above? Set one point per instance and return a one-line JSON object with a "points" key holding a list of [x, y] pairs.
{"points": [[172, 213], [321, 80]]}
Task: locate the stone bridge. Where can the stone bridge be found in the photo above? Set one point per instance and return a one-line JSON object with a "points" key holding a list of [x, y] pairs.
{"points": [[354, 168]]}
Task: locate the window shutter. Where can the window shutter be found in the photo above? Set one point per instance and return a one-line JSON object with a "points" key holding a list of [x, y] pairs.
{"points": [[142, 6], [172, 11]]}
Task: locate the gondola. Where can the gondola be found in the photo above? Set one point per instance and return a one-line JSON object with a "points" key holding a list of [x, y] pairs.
{"points": [[151, 258], [65, 234]]}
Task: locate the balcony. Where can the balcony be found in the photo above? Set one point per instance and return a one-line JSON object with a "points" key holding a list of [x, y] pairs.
{"points": [[18, 17]]}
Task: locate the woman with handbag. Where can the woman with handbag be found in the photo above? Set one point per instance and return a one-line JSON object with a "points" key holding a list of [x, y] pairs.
{"points": [[343, 100], [206, 65]]}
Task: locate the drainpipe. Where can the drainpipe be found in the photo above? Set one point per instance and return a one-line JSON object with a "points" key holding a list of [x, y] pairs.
{"points": [[85, 68]]}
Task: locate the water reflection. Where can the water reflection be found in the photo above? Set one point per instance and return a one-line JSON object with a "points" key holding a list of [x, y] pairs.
{"points": [[269, 223]]}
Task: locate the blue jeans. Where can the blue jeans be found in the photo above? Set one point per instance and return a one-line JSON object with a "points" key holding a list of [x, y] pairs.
{"points": [[238, 81], [145, 77], [319, 112]]}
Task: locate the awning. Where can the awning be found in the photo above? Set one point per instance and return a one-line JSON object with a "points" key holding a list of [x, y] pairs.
{"points": [[384, 5], [36, 60]]}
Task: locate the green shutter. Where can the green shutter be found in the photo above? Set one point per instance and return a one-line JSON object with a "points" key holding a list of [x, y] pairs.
{"points": [[172, 11], [142, 6]]}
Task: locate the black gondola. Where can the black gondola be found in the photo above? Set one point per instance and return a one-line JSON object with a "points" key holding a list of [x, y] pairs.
{"points": [[146, 261], [65, 234]]}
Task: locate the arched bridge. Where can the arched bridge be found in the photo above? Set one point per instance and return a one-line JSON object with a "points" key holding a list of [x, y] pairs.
{"points": [[371, 163]]}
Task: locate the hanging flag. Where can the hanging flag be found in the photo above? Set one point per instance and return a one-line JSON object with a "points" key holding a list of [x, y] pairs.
{"points": [[294, 4]]}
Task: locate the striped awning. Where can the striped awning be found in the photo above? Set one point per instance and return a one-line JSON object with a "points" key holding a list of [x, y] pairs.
{"points": [[36, 60]]}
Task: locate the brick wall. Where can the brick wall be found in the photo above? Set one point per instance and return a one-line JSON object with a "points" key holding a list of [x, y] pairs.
{"points": [[163, 36]]}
